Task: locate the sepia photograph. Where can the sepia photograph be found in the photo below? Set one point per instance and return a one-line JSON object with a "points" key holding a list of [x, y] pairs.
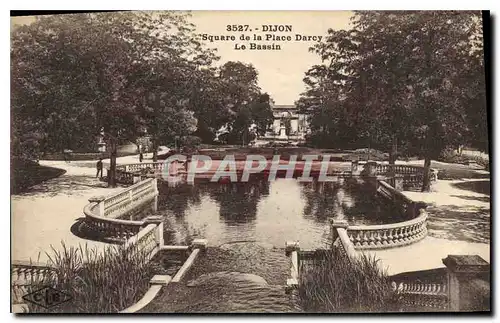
{"points": [[184, 162]]}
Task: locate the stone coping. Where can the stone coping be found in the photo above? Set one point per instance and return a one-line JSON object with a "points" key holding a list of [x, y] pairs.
{"points": [[90, 209], [421, 218]]}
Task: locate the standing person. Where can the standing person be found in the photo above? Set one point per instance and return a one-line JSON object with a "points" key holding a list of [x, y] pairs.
{"points": [[141, 157], [99, 168]]}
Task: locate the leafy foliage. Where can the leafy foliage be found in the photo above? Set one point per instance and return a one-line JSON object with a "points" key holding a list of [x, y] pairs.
{"points": [[123, 75], [411, 82], [98, 282]]}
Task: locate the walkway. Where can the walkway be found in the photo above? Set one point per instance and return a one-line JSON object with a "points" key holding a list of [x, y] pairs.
{"points": [[46, 215], [458, 224]]}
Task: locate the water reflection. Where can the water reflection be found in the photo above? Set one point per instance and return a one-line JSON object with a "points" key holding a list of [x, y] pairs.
{"points": [[271, 212], [238, 201]]}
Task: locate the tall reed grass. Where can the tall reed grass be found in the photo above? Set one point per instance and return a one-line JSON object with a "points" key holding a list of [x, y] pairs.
{"points": [[336, 284], [98, 282]]}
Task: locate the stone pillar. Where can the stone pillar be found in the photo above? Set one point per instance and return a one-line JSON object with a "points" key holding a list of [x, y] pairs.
{"points": [[464, 274], [354, 167], [100, 200], [292, 250], [155, 219], [337, 224], [398, 182], [154, 206], [199, 244], [369, 169]]}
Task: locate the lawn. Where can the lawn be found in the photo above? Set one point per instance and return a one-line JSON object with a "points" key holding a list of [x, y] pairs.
{"points": [[25, 174]]}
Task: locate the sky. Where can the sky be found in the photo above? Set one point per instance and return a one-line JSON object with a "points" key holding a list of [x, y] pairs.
{"points": [[281, 72]]}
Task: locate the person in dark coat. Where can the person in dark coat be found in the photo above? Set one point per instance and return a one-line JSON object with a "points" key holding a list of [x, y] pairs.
{"points": [[141, 157], [99, 168]]}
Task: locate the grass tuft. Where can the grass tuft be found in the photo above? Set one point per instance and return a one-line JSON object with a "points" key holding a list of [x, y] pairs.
{"points": [[98, 282], [335, 284]]}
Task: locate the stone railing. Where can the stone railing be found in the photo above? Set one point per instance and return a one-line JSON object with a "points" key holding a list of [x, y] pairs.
{"points": [[132, 173], [411, 208], [24, 275], [340, 238], [102, 213], [148, 241], [292, 250], [137, 167], [124, 177], [402, 176], [160, 281], [383, 169], [465, 287], [27, 276], [419, 294], [389, 235]]}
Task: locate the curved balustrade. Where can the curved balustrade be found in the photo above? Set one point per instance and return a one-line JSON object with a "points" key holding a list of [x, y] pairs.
{"points": [[389, 235], [102, 213], [147, 241]]}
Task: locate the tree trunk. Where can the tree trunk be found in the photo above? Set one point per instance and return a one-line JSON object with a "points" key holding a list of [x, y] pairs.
{"points": [[394, 151], [112, 164], [426, 182], [155, 149]]}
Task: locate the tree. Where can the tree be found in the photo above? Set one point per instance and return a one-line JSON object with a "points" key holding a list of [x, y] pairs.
{"points": [[245, 103], [83, 73], [397, 79]]}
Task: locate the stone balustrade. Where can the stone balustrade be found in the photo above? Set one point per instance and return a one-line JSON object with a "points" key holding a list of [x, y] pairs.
{"points": [[411, 208], [25, 274], [418, 294], [124, 177], [420, 288], [103, 214], [389, 235], [148, 241], [411, 176], [340, 238], [382, 169], [137, 167], [292, 250]]}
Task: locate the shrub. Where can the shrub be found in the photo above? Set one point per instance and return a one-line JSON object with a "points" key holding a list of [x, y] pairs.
{"points": [[451, 156], [335, 284], [191, 141], [98, 282]]}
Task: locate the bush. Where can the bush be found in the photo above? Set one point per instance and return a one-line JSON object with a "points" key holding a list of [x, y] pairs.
{"points": [[451, 156], [335, 284], [99, 282], [367, 154], [191, 141]]}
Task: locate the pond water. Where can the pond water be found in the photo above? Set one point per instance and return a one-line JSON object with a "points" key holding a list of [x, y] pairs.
{"points": [[247, 225], [270, 212]]}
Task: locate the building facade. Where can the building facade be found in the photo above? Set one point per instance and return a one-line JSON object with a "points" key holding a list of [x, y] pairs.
{"points": [[288, 125]]}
